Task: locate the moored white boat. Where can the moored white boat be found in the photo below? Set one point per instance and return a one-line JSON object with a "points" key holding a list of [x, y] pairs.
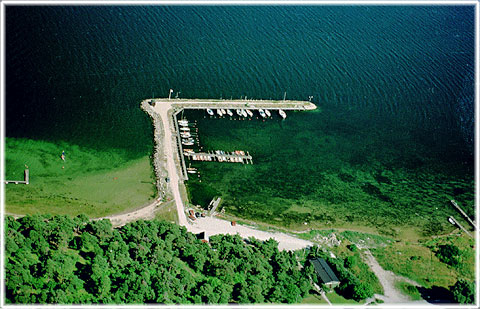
{"points": [[219, 112], [244, 113], [262, 113], [229, 112], [209, 111], [267, 112], [239, 112], [183, 122], [282, 113], [249, 112]]}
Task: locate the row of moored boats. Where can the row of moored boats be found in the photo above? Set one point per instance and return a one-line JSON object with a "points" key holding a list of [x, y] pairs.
{"points": [[245, 112], [186, 134]]}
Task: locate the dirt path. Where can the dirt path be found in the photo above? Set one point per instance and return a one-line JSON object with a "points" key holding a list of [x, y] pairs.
{"points": [[169, 148], [146, 213], [387, 280]]}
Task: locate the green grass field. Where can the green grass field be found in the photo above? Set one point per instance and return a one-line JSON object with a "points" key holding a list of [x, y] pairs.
{"points": [[167, 212], [418, 261], [95, 183]]}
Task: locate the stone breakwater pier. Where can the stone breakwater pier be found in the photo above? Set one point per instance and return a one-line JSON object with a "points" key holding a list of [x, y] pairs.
{"points": [[168, 158]]}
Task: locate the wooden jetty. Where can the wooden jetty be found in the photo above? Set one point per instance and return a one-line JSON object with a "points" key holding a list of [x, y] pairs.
{"points": [[26, 180], [226, 157], [463, 213]]}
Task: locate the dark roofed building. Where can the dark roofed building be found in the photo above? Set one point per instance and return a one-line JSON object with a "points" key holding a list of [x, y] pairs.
{"points": [[324, 272]]}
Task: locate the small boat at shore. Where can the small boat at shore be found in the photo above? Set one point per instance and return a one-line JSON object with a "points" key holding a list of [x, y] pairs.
{"points": [[239, 112], [210, 112], [229, 112], [244, 113], [267, 112], [249, 112], [262, 113], [282, 113]]}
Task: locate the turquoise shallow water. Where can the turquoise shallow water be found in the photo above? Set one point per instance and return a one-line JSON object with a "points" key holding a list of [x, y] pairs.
{"points": [[394, 84]]}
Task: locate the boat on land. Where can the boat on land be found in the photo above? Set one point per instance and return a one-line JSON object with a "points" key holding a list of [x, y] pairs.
{"points": [[209, 111], [219, 112], [249, 112], [229, 112], [262, 113], [267, 112], [282, 113], [244, 113]]}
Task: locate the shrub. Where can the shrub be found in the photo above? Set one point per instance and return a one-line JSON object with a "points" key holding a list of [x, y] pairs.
{"points": [[464, 291], [449, 254]]}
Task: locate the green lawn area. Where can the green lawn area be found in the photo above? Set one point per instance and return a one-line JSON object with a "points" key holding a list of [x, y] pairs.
{"points": [[418, 261], [167, 212], [336, 299], [314, 299], [95, 183]]}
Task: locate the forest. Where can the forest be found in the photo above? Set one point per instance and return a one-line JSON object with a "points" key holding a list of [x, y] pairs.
{"points": [[65, 260]]}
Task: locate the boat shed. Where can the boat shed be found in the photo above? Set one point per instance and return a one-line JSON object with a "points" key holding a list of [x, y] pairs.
{"points": [[324, 272]]}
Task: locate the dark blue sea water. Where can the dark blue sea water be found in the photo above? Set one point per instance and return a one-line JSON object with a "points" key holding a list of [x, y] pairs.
{"points": [[399, 76]]}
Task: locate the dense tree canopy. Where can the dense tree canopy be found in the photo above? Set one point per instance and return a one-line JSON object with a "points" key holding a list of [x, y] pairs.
{"points": [[64, 260]]}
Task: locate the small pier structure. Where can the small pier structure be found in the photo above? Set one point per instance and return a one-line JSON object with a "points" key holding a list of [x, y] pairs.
{"points": [[455, 222], [244, 158], [213, 205], [463, 214], [26, 181]]}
